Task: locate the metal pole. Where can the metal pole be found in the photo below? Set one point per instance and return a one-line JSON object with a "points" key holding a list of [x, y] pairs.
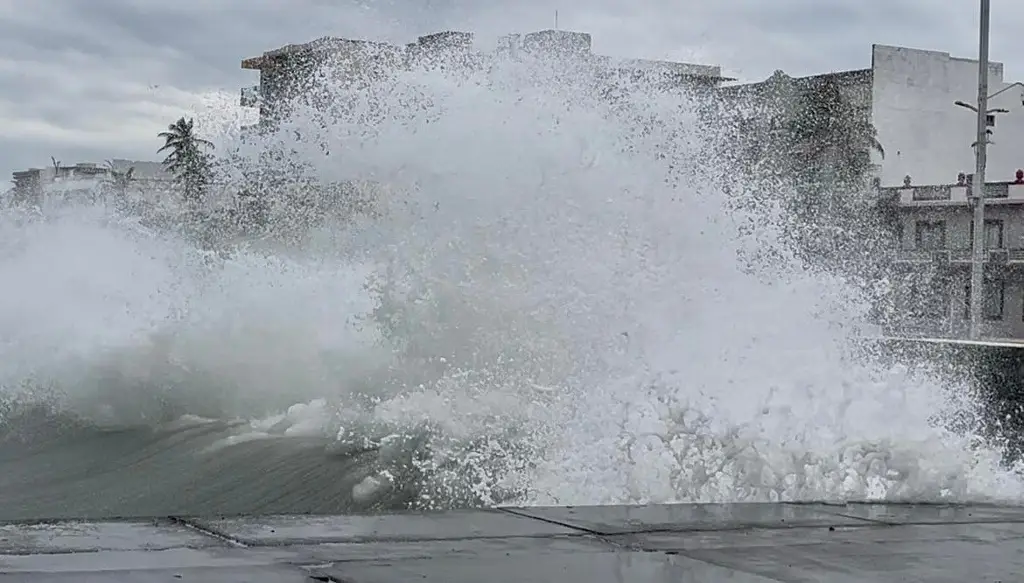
{"points": [[978, 184]]}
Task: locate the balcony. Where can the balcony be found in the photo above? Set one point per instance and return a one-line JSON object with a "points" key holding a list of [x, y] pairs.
{"points": [[250, 97], [925, 256], [956, 195], [959, 256]]}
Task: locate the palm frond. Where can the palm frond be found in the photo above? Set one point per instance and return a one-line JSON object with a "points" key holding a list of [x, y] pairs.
{"points": [[185, 158]]}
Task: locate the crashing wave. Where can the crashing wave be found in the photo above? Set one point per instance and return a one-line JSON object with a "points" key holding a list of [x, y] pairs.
{"points": [[549, 306]]}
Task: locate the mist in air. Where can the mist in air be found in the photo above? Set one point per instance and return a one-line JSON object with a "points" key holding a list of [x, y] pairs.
{"points": [[539, 292]]}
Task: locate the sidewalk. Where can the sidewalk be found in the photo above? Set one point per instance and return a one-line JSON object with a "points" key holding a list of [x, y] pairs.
{"points": [[739, 543]]}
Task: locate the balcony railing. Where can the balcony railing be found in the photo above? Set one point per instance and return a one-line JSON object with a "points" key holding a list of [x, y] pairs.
{"points": [[250, 97], [939, 256], [931, 193], [942, 195]]}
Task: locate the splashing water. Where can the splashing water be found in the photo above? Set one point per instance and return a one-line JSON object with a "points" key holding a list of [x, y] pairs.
{"points": [[548, 307]]}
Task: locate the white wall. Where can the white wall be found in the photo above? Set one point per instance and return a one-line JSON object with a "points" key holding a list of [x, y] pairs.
{"points": [[924, 134]]}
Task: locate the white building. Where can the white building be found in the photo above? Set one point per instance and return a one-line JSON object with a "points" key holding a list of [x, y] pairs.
{"points": [[924, 133], [910, 96], [928, 137], [86, 179]]}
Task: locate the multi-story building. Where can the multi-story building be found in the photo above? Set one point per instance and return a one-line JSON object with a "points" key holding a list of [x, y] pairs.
{"points": [[934, 258], [915, 99], [83, 179], [30, 185], [292, 70], [911, 97], [918, 101], [931, 131], [289, 71]]}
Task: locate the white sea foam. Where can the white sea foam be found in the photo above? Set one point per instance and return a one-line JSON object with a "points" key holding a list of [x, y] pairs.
{"points": [[554, 290]]}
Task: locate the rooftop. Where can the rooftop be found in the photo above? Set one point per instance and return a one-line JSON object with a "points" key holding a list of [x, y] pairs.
{"points": [[325, 44], [144, 170], [560, 40], [852, 76]]}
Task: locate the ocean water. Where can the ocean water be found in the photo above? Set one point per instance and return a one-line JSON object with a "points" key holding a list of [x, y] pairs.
{"points": [[552, 304]]}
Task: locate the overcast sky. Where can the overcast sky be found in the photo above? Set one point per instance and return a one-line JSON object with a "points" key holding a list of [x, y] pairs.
{"points": [[88, 80]]}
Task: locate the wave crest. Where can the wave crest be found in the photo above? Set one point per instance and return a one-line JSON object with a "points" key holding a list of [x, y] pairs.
{"points": [[550, 305]]}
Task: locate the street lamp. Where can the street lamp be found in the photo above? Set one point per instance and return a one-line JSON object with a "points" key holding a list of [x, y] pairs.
{"points": [[1000, 92], [975, 109], [987, 113], [978, 189]]}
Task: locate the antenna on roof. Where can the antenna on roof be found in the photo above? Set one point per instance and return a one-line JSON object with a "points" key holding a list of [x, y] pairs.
{"points": [[556, 20]]}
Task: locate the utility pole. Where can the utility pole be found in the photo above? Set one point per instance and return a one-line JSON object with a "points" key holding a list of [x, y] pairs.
{"points": [[978, 184]]}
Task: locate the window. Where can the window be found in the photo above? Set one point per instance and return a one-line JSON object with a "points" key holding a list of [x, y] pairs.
{"points": [[995, 299], [1022, 313], [930, 235], [992, 305], [993, 234], [929, 302]]}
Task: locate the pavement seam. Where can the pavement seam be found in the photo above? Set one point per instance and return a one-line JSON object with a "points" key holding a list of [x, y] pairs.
{"points": [[823, 508], [865, 521], [878, 522], [207, 531], [521, 514]]}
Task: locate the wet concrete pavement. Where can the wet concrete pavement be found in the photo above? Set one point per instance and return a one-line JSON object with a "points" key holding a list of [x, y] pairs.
{"points": [[739, 543]]}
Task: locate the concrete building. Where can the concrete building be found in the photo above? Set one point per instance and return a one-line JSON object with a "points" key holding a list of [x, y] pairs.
{"points": [[288, 72], [291, 71], [84, 179], [933, 260], [32, 184], [750, 113], [927, 136], [910, 96], [929, 169]]}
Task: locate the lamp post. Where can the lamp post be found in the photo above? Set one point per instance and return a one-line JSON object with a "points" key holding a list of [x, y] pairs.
{"points": [[978, 187], [979, 210], [990, 97]]}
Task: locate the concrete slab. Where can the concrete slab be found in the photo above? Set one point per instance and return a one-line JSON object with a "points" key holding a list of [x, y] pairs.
{"points": [[69, 537], [607, 567], [158, 560], [746, 538], [260, 574], [610, 520], [926, 513], [952, 561], [742, 543], [290, 530], [428, 549]]}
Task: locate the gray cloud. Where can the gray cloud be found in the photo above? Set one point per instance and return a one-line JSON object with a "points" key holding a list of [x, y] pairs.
{"points": [[90, 80]]}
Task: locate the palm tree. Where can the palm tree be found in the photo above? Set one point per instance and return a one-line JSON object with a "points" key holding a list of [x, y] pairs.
{"points": [[121, 180], [827, 146], [186, 159], [829, 138]]}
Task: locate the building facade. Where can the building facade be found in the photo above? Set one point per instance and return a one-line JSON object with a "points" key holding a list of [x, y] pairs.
{"points": [[929, 171], [85, 179], [911, 97], [289, 72], [32, 184], [933, 260], [927, 136]]}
